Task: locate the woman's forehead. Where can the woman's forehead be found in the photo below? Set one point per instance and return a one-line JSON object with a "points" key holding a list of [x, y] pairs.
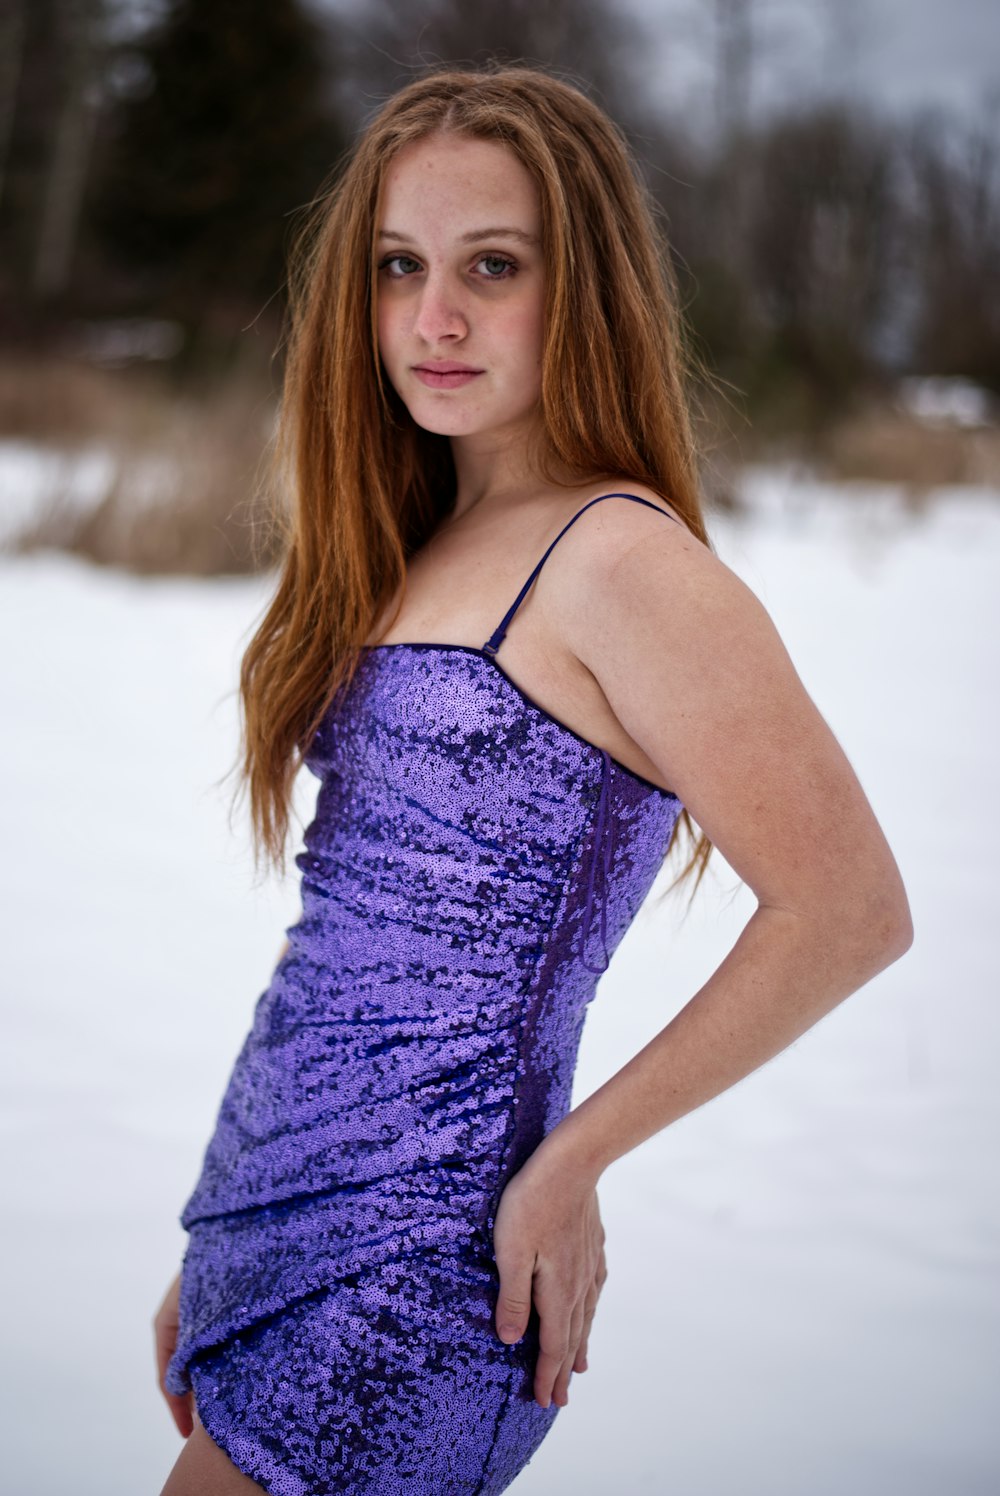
{"points": [[466, 176]]}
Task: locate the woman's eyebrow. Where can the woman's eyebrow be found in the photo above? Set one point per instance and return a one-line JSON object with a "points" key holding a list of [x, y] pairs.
{"points": [[474, 234]]}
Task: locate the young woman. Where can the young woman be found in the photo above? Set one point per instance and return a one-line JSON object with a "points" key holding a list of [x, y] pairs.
{"points": [[503, 644]]}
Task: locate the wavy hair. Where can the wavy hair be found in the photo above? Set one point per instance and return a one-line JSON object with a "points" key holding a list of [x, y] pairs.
{"points": [[362, 485]]}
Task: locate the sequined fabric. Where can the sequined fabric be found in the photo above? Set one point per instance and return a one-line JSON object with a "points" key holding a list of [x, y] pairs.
{"points": [[470, 868]]}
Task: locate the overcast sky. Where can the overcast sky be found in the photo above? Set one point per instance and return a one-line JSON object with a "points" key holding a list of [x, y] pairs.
{"points": [[900, 53]]}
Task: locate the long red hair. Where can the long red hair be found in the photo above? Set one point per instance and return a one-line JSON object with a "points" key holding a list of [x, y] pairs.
{"points": [[362, 485]]}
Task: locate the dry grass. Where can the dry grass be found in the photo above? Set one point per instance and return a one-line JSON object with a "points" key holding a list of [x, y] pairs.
{"points": [[181, 487], [181, 491], [886, 444]]}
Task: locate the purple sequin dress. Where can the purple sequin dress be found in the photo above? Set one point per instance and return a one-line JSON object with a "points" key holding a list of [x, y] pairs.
{"points": [[469, 857]]}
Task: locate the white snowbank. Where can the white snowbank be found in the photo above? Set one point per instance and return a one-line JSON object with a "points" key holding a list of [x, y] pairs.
{"points": [[803, 1293]]}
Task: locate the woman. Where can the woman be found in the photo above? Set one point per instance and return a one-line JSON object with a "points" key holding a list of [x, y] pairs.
{"points": [[395, 1246]]}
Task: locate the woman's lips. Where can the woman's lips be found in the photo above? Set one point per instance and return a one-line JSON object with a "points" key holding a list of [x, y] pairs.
{"points": [[446, 381]]}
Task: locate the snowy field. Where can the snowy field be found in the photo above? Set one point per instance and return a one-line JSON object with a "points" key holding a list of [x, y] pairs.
{"points": [[803, 1294]]}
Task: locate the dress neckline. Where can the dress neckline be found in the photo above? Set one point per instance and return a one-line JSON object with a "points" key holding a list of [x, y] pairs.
{"points": [[528, 701]]}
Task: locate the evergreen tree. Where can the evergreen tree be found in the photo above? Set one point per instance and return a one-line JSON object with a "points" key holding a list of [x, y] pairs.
{"points": [[225, 130]]}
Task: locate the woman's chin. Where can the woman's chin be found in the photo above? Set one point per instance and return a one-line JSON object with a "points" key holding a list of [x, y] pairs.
{"points": [[449, 422]]}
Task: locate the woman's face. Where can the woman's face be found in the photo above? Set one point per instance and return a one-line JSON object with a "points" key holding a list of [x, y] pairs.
{"points": [[460, 283]]}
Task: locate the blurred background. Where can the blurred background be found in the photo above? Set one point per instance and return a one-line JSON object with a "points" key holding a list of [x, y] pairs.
{"points": [[803, 1293], [827, 171]]}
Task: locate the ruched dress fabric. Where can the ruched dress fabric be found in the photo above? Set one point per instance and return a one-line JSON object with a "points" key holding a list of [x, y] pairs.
{"points": [[471, 866]]}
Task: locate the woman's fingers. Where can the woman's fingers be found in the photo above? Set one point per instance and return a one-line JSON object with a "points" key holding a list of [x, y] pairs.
{"points": [[548, 1242], [180, 1411], [514, 1299], [165, 1328], [553, 1343], [179, 1404], [560, 1387], [560, 1327], [590, 1308], [580, 1363]]}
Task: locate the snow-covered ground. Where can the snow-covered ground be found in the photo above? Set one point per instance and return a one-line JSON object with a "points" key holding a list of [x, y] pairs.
{"points": [[803, 1294]]}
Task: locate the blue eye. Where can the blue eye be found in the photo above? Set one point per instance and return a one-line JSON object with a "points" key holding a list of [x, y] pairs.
{"points": [[391, 258], [508, 266], [498, 260]]}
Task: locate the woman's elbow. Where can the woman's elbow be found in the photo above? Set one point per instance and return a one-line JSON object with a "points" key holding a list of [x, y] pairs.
{"points": [[865, 925], [887, 925], [877, 904], [897, 931]]}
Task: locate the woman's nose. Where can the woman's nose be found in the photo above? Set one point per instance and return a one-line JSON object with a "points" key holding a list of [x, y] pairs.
{"points": [[440, 313]]}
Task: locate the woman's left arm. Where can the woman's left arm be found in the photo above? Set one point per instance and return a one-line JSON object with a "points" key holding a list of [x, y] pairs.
{"points": [[694, 670]]}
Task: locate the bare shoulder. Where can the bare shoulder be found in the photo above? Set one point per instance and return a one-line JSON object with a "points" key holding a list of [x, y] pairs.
{"points": [[692, 667], [617, 546], [617, 518], [647, 602]]}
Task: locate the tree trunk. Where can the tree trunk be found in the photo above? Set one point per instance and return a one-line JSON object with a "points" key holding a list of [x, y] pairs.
{"points": [[67, 175], [11, 53]]}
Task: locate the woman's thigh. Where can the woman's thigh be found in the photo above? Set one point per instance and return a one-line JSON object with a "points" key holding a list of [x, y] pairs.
{"points": [[203, 1469]]}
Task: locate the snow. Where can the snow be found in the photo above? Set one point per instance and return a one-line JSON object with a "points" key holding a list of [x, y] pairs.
{"points": [[803, 1290], [940, 401], [34, 478]]}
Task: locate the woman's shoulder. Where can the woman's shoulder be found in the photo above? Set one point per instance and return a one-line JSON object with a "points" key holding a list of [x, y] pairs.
{"points": [[603, 521], [611, 490], [626, 560]]}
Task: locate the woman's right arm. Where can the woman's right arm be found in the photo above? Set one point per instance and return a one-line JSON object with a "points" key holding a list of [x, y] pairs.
{"points": [[165, 1326]]}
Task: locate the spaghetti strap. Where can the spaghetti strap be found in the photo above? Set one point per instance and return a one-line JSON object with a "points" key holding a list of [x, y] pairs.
{"points": [[496, 638], [603, 842]]}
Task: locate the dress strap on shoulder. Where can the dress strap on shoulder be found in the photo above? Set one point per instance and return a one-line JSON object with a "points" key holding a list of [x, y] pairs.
{"points": [[496, 638]]}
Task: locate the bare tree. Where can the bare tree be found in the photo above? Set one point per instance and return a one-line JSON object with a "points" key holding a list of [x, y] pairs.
{"points": [[11, 54], [955, 244], [70, 158], [825, 242], [734, 46], [593, 43]]}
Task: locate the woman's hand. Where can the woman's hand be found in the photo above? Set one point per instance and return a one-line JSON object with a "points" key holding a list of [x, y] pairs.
{"points": [[165, 1326], [549, 1244]]}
